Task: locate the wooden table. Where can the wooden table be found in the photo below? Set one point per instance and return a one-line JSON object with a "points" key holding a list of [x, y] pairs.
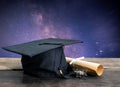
{"points": [[11, 75]]}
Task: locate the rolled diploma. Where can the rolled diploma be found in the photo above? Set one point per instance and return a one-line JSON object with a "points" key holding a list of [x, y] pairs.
{"points": [[90, 67]]}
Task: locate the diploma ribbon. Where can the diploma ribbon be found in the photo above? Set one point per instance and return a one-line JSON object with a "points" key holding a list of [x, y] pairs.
{"points": [[76, 59]]}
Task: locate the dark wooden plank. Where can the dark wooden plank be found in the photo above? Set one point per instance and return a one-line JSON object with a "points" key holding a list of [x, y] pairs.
{"points": [[110, 77]]}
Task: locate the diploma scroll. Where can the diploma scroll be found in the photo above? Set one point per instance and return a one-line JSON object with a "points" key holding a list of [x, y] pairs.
{"points": [[90, 67]]}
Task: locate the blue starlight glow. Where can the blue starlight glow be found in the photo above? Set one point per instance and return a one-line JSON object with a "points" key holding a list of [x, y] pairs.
{"points": [[96, 22]]}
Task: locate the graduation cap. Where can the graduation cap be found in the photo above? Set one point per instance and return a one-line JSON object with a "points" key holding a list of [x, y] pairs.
{"points": [[43, 58]]}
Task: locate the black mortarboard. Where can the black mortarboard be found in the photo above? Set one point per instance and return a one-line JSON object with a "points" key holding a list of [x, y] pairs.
{"points": [[43, 58]]}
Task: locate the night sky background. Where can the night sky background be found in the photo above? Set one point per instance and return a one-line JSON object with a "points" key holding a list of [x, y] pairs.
{"points": [[96, 22]]}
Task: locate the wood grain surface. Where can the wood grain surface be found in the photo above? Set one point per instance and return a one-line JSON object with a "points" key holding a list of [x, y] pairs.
{"points": [[11, 75]]}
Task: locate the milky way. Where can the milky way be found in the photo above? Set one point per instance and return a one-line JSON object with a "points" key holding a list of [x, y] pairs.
{"points": [[96, 22]]}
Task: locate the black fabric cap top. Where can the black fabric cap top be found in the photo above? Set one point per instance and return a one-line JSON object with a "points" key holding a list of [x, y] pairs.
{"points": [[39, 46], [43, 58]]}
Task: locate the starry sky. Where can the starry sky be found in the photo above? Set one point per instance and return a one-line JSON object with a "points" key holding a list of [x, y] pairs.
{"points": [[96, 22]]}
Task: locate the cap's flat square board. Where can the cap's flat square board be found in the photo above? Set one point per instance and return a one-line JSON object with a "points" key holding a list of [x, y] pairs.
{"points": [[39, 46]]}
